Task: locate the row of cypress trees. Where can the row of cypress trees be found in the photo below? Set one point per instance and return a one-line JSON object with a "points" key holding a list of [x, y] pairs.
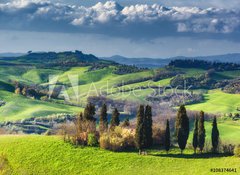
{"points": [[144, 139], [199, 132], [103, 119]]}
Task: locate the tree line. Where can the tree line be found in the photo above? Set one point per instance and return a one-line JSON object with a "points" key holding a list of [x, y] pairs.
{"points": [[143, 135]]}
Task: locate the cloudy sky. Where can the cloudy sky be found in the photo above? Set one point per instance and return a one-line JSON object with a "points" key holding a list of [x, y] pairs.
{"points": [[133, 28]]}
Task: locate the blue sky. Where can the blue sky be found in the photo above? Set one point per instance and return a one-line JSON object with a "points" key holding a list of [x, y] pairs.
{"points": [[133, 28]]}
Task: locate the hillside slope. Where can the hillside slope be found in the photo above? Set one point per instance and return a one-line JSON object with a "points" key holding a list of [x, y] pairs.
{"points": [[54, 157]]}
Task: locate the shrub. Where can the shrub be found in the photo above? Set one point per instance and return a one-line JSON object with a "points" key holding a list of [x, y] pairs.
{"points": [[5, 168], [117, 140], [228, 149], [237, 151], [104, 141], [158, 135], [92, 140]]}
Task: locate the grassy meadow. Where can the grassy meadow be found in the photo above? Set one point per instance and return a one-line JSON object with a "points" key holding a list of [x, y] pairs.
{"points": [[18, 107], [216, 101], [54, 156]]}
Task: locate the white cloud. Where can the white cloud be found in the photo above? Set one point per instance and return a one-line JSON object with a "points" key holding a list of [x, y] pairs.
{"points": [[112, 19]]}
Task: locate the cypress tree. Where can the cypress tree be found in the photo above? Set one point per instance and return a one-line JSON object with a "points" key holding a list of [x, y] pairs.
{"points": [[215, 135], [167, 137], [79, 123], [89, 112], [201, 132], [115, 119], [148, 125], [103, 121], [139, 138], [126, 122], [195, 135], [182, 127]]}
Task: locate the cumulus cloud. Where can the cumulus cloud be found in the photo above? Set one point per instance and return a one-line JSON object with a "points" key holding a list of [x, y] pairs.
{"points": [[110, 18]]}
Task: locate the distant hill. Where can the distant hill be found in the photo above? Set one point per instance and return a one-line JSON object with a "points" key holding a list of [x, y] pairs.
{"points": [[161, 62], [139, 62], [9, 54], [67, 58], [51, 57]]}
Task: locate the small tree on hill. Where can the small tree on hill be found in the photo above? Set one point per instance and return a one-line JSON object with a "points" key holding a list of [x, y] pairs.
{"points": [[195, 135], [215, 135], [139, 135], [115, 121], [167, 137], [182, 127], [148, 125], [201, 132], [103, 121]]}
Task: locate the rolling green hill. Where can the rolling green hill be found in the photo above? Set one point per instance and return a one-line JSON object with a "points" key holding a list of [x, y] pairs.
{"points": [[26, 156], [96, 79], [18, 107], [216, 101]]}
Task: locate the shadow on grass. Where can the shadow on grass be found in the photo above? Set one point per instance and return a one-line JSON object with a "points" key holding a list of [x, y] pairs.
{"points": [[192, 156]]}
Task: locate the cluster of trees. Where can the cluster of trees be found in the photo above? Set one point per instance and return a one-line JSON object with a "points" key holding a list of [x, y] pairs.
{"points": [[233, 87], [163, 74], [34, 91], [203, 81], [103, 119], [86, 123], [199, 132], [123, 83], [175, 99], [127, 69], [235, 116], [193, 63], [143, 135]]}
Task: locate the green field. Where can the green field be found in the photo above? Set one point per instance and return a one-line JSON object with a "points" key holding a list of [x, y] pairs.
{"points": [[26, 156], [95, 83], [18, 107], [216, 101]]}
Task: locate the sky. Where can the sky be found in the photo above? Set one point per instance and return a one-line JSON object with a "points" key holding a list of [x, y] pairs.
{"points": [[131, 28]]}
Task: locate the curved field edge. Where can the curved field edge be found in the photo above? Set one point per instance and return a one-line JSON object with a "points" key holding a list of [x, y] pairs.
{"points": [[50, 155]]}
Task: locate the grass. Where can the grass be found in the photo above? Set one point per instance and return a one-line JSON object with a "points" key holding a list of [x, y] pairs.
{"points": [[229, 131], [26, 156], [216, 101], [18, 107]]}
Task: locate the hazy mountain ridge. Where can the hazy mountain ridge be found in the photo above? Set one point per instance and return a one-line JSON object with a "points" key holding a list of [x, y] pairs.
{"points": [[161, 62]]}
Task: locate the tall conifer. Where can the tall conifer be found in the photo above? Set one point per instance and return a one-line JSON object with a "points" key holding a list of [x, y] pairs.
{"points": [[139, 134], [195, 135], [167, 137], [201, 132], [215, 135], [103, 121], [182, 127], [115, 121], [148, 125]]}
